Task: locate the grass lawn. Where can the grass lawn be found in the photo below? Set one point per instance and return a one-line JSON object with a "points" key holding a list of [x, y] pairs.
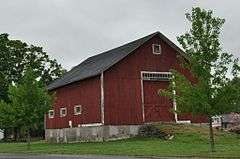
{"points": [[188, 141]]}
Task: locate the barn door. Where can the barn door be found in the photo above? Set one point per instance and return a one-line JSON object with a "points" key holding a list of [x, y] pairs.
{"points": [[156, 108]]}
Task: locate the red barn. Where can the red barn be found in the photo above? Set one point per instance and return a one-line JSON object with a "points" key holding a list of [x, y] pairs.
{"points": [[110, 94]]}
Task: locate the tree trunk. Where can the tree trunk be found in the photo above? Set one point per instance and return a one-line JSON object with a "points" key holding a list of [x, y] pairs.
{"points": [[221, 123], [28, 139], [16, 134], [211, 135]]}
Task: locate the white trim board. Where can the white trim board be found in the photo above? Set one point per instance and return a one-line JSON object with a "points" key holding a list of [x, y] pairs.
{"points": [[102, 98], [156, 72], [142, 96], [89, 125]]}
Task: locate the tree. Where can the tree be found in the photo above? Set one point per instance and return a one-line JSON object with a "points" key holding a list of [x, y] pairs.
{"points": [[16, 56], [235, 83], [213, 93], [7, 117], [28, 102]]}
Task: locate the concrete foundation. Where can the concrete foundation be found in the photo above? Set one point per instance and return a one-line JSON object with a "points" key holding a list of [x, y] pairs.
{"points": [[91, 133]]}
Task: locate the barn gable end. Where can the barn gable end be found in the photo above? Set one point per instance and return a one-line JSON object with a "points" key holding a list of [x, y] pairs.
{"points": [[131, 100], [124, 87]]}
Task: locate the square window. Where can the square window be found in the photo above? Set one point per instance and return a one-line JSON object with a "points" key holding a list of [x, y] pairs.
{"points": [[78, 109], [157, 49], [63, 112], [51, 114]]}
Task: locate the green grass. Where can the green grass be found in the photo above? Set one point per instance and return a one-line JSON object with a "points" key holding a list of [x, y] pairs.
{"points": [[188, 141]]}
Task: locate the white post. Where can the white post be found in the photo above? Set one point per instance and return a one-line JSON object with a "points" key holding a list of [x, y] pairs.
{"points": [[102, 98], [175, 107], [175, 103], [142, 94], [70, 123]]}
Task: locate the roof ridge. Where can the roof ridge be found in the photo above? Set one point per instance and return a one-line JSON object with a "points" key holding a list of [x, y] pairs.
{"points": [[109, 51], [124, 44], [99, 63]]}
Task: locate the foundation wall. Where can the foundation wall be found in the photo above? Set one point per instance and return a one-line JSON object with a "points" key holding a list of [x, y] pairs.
{"points": [[91, 133]]}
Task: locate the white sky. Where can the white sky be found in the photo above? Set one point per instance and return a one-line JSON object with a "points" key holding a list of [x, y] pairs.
{"points": [[72, 30]]}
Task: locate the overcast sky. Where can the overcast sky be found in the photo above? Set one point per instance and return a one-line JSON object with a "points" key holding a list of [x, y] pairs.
{"points": [[72, 30]]}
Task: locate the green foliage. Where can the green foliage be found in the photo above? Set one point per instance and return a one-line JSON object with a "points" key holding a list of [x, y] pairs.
{"points": [[28, 102], [16, 56], [29, 99], [6, 115], [235, 83], [213, 92]]}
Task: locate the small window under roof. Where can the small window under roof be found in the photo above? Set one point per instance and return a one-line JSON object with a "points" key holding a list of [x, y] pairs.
{"points": [[156, 48]]}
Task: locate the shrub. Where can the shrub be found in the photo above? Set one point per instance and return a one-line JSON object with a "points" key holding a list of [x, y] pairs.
{"points": [[153, 131], [235, 129]]}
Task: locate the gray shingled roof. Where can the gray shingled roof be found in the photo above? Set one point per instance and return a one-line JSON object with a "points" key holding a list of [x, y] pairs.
{"points": [[97, 64]]}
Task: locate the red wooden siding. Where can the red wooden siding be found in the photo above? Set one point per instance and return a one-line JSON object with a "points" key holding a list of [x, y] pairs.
{"points": [[122, 83], [124, 98], [85, 93], [156, 108]]}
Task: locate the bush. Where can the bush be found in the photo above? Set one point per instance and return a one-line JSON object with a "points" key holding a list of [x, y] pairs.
{"points": [[153, 131], [235, 129]]}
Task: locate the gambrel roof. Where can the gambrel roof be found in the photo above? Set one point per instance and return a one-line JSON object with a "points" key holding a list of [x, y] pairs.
{"points": [[97, 64]]}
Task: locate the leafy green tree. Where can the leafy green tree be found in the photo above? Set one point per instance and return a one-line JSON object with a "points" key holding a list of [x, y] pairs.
{"points": [[213, 93], [16, 56], [28, 102], [235, 83], [7, 117]]}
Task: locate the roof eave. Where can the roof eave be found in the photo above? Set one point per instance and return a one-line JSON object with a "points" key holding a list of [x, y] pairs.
{"points": [[57, 87]]}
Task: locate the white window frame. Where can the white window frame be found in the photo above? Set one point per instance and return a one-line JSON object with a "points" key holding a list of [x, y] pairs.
{"points": [[75, 109], [160, 49], [61, 114], [49, 114]]}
